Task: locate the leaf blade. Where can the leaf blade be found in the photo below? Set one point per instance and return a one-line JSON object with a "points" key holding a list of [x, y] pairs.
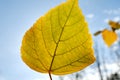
{"points": [[58, 41], [109, 37]]}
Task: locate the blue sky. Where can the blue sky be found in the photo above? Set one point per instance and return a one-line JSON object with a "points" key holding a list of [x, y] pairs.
{"points": [[17, 16]]}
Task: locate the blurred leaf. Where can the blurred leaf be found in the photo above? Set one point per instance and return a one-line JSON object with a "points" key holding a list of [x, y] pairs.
{"points": [[109, 37], [114, 25], [59, 42]]}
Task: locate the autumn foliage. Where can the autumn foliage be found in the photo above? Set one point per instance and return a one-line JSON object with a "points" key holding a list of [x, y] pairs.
{"points": [[59, 42]]}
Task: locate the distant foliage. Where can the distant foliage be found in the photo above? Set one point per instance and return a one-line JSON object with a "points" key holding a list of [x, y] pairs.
{"points": [[109, 36], [115, 76]]}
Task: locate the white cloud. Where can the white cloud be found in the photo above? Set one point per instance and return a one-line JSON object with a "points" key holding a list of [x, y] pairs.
{"points": [[112, 11], [106, 20], [90, 16], [45, 77], [108, 11], [93, 74], [67, 78], [115, 48], [92, 77], [116, 19], [112, 67], [37, 79]]}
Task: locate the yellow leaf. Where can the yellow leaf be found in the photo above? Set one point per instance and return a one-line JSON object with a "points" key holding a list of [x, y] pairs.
{"points": [[109, 37], [59, 42], [114, 25]]}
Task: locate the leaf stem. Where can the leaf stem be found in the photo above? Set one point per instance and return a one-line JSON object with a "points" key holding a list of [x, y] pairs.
{"points": [[50, 75]]}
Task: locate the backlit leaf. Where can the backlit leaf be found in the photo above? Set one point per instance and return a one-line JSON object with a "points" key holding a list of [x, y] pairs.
{"points": [[109, 37], [59, 42], [114, 25]]}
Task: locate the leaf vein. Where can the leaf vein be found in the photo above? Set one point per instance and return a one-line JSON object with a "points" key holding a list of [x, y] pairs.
{"points": [[44, 41], [70, 63], [60, 38], [35, 59], [73, 48], [73, 35]]}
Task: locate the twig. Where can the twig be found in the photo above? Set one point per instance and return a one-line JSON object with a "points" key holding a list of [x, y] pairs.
{"points": [[50, 75]]}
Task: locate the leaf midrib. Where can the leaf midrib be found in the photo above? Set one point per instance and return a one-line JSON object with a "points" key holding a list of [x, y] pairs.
{"points": [[60, 38]]}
